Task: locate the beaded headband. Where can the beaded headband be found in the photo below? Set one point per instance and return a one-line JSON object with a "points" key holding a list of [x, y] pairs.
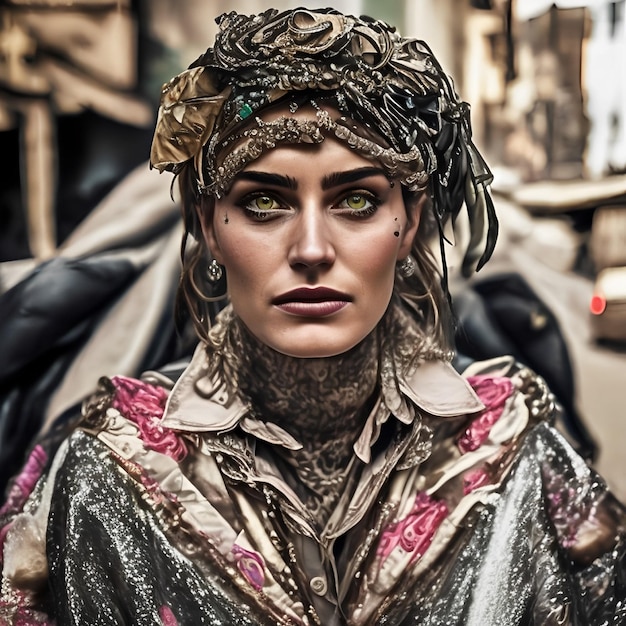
{"points": [[263, 136], [395, 106]]}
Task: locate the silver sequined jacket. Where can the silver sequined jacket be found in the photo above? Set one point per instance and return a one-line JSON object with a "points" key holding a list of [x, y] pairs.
{"points": [[164, 507]]}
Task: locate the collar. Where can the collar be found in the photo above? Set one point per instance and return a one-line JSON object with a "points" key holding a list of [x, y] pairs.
{"points": [[201, 405]]}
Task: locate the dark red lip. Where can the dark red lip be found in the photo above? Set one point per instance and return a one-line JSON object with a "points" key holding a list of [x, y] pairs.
{"points": [[312, 294]]}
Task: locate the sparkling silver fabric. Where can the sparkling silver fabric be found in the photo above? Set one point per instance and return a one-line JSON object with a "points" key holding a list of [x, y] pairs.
{"points": [[110, 561], [113, 564], [508, 567], [494, 521]]}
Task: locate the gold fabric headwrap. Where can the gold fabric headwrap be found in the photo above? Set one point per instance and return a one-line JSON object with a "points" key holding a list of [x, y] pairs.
{"points": [[407, 115]]}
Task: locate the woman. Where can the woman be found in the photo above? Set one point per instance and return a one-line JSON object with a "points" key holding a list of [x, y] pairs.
{"points": [[319, 461]]}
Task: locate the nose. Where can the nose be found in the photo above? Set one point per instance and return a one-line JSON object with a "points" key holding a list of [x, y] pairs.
{"points": [[312, 245]]}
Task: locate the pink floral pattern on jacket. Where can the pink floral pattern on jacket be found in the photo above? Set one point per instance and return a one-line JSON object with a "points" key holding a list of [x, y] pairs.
{"points": [[493, 391], [26, 481], [251, 565], [474, 479], [167, 616], [415, 532], [144, 404]]}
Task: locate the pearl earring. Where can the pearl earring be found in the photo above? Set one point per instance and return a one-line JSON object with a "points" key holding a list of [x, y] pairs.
{"points": [[214, 271], [407, 266]]}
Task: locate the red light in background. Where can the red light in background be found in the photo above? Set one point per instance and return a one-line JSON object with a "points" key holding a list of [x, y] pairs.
{"points": [[597, 305]]}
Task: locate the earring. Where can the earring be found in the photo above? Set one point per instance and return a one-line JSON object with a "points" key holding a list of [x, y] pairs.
{"points": [[407, 266], [214, 271]]}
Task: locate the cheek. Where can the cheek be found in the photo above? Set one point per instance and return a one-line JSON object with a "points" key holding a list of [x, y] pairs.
{"points": [[248, 261], [378, 256], [235, 247]]}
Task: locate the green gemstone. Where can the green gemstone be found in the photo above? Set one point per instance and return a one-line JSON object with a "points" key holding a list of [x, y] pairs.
{"points": [[245, 111]]}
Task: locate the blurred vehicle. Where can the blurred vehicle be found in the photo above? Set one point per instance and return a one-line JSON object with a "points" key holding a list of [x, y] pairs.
{"points": [[608, 245], [608, 305]]}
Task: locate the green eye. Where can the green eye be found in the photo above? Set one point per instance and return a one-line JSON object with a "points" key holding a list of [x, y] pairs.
{"points": [[262, 208], [356, 202], [359, 204], [264, 203]]}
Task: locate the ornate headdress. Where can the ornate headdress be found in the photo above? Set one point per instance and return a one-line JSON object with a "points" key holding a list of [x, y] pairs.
{"points": [[395, 104]]}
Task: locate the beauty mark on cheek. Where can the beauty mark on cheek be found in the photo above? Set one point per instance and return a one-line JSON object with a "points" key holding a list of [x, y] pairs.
{"points": [[396, 232]]}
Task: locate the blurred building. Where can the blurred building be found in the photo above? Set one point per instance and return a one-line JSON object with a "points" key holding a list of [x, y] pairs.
{"points": [[72, 115], [548, 86]]}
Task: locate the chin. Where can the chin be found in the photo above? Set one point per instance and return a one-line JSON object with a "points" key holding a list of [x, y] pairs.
{"points": [[314, 347], [314, 353]]}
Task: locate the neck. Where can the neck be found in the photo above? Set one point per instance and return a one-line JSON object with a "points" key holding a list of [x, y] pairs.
{"points": [[312, 399], [322, 402]]}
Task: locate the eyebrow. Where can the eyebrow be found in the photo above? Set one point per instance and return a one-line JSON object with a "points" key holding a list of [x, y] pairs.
{"points": [[265, 178], [351, 176], [328, 182]]}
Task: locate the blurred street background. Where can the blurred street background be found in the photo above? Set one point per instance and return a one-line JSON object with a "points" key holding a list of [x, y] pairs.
{"points": [[546, 81]]}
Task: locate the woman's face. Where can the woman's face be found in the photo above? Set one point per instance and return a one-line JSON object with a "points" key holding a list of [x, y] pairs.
{"points": [[310, 236]]}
